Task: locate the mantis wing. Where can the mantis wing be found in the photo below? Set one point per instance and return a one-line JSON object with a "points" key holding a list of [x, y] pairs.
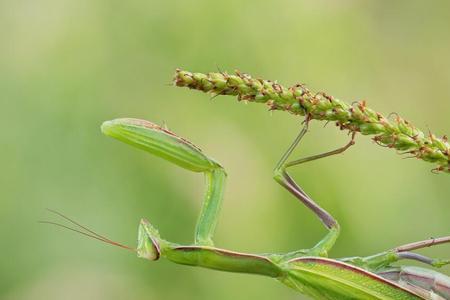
{"points": [[323, 278]]}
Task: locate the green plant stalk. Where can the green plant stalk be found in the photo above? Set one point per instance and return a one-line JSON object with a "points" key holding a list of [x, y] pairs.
{"points": [[393, 132]]}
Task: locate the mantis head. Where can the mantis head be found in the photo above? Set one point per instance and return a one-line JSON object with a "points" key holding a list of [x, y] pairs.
{"points": [[148, 241]]}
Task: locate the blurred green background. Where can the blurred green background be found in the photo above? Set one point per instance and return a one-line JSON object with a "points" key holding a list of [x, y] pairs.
{"points": [[66, 66]]}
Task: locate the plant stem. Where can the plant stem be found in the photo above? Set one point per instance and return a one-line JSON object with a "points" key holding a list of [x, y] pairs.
{"points": [[392, 132]]}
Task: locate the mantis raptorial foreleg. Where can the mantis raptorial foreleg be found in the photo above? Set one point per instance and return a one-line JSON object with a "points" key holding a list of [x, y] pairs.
{"points": [[285, 180], [165, 144], [209, 213]]}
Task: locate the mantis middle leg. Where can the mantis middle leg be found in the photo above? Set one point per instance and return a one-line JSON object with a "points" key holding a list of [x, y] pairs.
{"points": [[285, 180]]}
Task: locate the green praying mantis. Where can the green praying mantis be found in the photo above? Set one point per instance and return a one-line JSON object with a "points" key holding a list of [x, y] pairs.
{"points": [[308, 271]]}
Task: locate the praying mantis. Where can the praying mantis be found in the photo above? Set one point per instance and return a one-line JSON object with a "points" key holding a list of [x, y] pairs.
{"points": [[308, 271]]}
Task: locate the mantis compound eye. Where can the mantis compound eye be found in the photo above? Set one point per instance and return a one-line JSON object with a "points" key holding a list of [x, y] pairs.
{"points": [[148, 245], [160, 142]]}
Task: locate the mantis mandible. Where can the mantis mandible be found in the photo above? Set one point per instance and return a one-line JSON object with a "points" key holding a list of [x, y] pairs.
{"points": [[308, 271]]}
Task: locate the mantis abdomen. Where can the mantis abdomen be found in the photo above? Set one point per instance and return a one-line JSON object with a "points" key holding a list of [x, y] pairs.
{"points": [[425, 282]]}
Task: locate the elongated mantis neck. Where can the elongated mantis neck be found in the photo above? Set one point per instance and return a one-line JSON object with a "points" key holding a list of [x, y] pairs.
{"points": [[152, 246]]}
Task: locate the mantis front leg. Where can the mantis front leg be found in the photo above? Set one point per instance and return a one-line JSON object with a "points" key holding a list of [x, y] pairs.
{"points": [[285, 180], [167, 145], [209, 213]]}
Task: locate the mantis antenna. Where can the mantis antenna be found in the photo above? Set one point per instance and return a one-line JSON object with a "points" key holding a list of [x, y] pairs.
{"points": [[87, 232]]}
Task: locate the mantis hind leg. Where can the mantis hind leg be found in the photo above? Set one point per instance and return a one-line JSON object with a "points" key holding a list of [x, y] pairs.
{"points": [[284, 179], [384, 259]]}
